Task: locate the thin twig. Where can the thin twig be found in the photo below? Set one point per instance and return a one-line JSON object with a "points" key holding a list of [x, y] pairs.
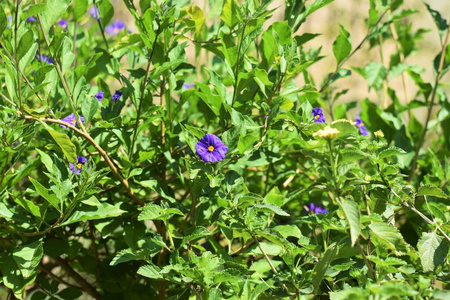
{"points": [[97, 13], [102, 152], [430, 108], [338, 67], [85, 286]]}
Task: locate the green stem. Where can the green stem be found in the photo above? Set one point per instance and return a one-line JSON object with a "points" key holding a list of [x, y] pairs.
{"points": [[19, 89], [236, 69], [333, 168]]}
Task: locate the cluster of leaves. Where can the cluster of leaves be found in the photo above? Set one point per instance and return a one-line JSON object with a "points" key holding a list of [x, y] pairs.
{"points": [[146, 218]]}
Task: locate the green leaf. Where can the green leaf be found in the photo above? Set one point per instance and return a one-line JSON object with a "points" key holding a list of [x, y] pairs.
{"points": [[351, 211], [150, 271], [5, 212], [342, 45], [391, 151], [26, 41], [431, 190], [155, 212], [195, 233], [28, 257], [196, 14], [389, 235], [80, 8], [28, 57], [89, 108], [33, 10], [322, 266], [375, 73], [127, 255], [440, 22], [67, 55], [54, 9], [43, 191], [106, 11], [66, 145], [230, 13], [3, 20], [272, 208], [92, 209]]}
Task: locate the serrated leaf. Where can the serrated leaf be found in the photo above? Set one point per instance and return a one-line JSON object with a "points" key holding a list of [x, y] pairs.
{"points": [[127, 255], [342, 45], [272, 208], [352, 154], [150, 271], [391, 151], [351, 211], [195, 233], [433, 250], [322, 266], [389, 235], [431, 190]]}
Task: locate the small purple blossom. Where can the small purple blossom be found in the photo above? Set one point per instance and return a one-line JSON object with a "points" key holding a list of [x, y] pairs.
{"points": [[71, 120], [360, 125], [99, 96], [63, 23], [44, 58], [115, 27], [188, 85], [315, 209], [94, 12], [76, 168], [116, 96], [31, 19], [9, 21], [318, 115], [210, 148]]}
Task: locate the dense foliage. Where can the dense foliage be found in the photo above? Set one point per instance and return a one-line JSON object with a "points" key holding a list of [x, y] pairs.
{"points": [[128, 171]]}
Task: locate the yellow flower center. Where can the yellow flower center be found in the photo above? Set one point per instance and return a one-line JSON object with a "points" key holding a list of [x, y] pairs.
{"points": [[79, 166], [361, 125], [64, 26], [317, 117], [73, 121], [210, 148]]}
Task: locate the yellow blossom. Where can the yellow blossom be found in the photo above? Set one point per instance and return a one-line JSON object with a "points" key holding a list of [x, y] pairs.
{"points": [[327, 133]]}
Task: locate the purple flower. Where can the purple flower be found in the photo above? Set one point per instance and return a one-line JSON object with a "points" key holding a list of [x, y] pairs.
{"points": [[210, 148], [318, 115], [360, 125], [71, 120], [116, 96], [9, 21], [99, 96], [188, 85], [63, 23], [315, 209], [94, 12], [44, 58], [115, 28], [31, 19], [76, 168]]}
